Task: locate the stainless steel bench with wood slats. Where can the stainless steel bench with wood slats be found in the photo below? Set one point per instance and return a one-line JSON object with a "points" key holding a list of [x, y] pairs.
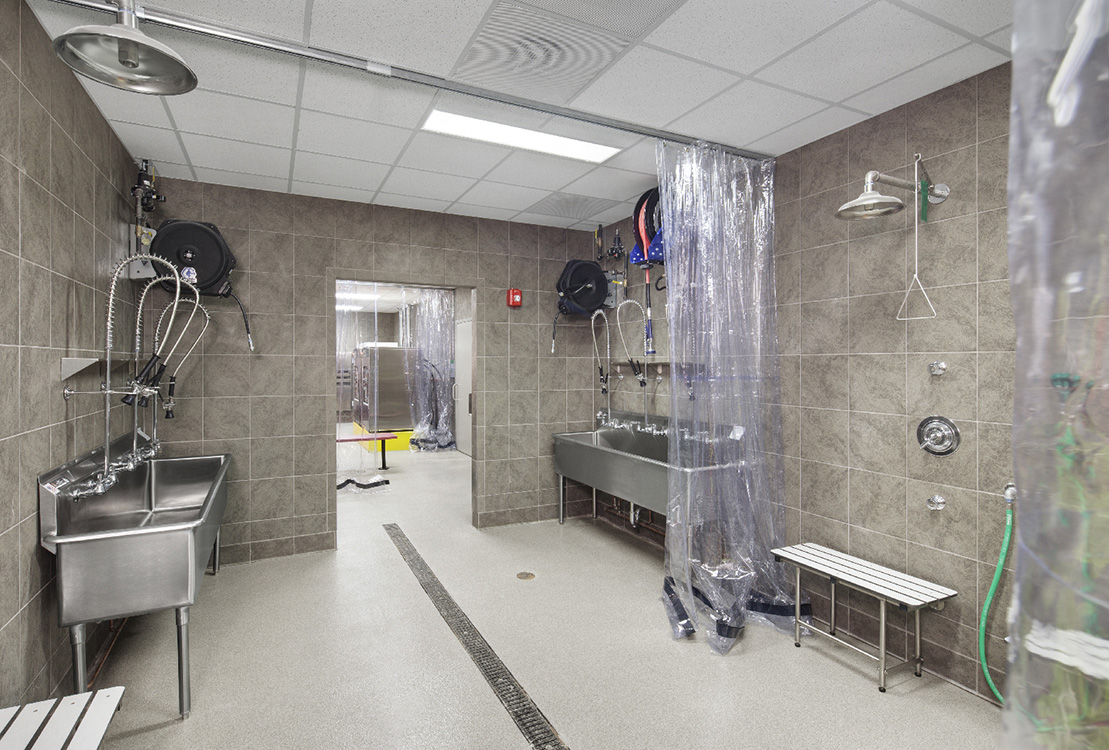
{"points": [[76, 722], [888, 586]]}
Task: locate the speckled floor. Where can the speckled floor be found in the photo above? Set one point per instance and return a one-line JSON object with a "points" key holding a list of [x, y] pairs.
{"points": [[344, 650]]}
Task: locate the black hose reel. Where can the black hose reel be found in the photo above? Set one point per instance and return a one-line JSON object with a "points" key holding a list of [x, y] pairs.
{"points": [[583, 288]]}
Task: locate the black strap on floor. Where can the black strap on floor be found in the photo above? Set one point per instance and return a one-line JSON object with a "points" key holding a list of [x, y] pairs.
{"points": [[361, 486], [531, 721]]}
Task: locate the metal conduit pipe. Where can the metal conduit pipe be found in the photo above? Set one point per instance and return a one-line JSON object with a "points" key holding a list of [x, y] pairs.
{"points": [[195, 25]]}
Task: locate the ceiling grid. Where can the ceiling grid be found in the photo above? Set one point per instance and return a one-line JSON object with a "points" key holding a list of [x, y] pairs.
{"points": [[764, 76]]}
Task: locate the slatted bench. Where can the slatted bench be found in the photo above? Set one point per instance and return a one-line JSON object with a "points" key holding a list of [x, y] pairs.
{"points": [[76, 722], [886, 585]]}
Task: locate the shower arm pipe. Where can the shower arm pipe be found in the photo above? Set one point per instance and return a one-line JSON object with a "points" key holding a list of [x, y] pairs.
{"points": [[109, 335], [936, 193], [193, 24]]}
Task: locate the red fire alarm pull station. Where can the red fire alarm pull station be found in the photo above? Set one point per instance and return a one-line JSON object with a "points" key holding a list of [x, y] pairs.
{"points": [[515, 298]]}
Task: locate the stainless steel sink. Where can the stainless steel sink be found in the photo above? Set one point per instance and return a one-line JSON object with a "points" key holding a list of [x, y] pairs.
{"points": [[140, 547], [622, 462]]}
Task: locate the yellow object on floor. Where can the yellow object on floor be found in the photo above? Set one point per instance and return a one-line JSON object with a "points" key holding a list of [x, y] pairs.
{"points": [[400, 443]]}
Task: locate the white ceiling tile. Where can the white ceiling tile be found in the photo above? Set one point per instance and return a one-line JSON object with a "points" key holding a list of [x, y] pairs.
{"points": [[365, 96], [441, 153], [746, 112], [173, 171], [342, 136], [613, 215], [333, 191], [440, 187], [484, 109], [538, 170], [408, 201], [235, 68], [623, 87], [615, 184], [584, 226], [849, 57], [145, 142], [497, 195], [745, 36], [978, 17], [932, 76], [234, 117], [240, 179], [482, 212], [823, 123], [323, 169], [279, 17], [125, 106], [545, 221], [235, 156], [1002, 38], [638, 158], [427, 36]]}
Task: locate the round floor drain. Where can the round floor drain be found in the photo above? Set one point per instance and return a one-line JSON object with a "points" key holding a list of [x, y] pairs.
{"points": [[525, 576]]}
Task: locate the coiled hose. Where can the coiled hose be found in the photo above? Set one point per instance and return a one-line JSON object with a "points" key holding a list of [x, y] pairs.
{"points": [[989, 599]]}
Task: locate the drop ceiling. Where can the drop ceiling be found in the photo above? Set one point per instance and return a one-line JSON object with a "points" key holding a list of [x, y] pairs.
{"points": [[762, 75]]}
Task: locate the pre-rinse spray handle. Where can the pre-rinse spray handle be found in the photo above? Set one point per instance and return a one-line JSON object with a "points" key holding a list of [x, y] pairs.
{"points": [[169, 399], [145, 400]]}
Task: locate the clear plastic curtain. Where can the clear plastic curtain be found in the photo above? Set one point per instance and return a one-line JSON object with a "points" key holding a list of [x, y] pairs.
{"points": [[726, 476], [432, 377], [1058, 677], [356, 362]]}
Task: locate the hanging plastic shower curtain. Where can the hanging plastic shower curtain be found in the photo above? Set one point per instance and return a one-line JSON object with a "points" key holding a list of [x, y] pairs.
{"points": [[1058, 676], [726, 476], [356, 364], [431, 380]]}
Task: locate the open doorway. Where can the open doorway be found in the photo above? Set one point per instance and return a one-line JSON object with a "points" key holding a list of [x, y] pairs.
{"points": [[403, 363]]}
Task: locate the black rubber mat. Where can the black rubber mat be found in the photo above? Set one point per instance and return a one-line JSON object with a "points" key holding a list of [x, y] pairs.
{"points": [[531, 721]]}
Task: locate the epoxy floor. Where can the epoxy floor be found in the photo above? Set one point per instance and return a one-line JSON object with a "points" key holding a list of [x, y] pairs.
{"points": [[344, 650]]}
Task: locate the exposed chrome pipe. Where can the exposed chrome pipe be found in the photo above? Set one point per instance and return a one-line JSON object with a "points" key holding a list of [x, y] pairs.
{"points": [[195, 25]]}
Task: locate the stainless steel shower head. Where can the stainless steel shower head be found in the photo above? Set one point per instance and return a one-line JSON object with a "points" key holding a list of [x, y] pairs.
{"points": [[871, 204], [122, 56]]}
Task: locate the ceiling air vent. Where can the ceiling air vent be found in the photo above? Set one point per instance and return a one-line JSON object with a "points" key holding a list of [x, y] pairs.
{"points": [[629, 18], [568, 206], [526, 52]]}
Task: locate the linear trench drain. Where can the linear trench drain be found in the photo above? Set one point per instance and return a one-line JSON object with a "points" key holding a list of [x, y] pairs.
{"points": [[531, 721]]}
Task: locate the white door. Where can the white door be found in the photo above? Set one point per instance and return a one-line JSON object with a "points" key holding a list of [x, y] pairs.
{"points": [[463, 385]]}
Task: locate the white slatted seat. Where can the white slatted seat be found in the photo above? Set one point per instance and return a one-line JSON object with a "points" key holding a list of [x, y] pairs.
{"points": [[888, 586], [76, 722]]}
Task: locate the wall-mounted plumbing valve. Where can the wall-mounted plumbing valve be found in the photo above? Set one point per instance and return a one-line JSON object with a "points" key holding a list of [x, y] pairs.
{"points": [[936, 502], [937, 368], [938, 435]]}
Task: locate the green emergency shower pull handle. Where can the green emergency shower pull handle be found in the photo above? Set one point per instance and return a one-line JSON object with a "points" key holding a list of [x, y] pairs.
{"points": [[924, 186]]}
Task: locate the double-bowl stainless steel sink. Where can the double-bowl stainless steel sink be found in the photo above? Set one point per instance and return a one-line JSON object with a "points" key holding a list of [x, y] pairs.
{"points": [[624, 463], [140, 547]]}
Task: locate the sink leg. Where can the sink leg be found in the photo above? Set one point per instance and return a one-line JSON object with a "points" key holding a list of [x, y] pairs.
{"points": [[594, 502], [80, 663], [561, 499], [215, 555], [184, 695]]}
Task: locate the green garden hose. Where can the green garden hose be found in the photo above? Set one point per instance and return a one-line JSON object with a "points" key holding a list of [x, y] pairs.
{"points": [[989, 597]]}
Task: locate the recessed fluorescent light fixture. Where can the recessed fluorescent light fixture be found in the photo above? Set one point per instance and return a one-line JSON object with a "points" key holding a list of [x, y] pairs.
{"points": [[508, 135], [360, 296]]}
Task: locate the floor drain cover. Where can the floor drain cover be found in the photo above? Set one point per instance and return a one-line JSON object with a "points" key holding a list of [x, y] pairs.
{"points": [[525, 576]]}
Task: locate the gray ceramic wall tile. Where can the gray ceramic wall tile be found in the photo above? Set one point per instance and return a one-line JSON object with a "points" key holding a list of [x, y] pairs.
{"points": [[878, 502], [996, 375], [993, 245], [824, 490], [996, 331], [824, 272], [948, 252], [943, 121], [824, 163], [993, 170], [787, 227], [822, 434], [874, 325], [876, 442], [824, 327], [955, 327], [995, 457], [878, 144], [878, 383], [819, 225], [787, 278], [824, 381], [878, 263], [953, 529]]}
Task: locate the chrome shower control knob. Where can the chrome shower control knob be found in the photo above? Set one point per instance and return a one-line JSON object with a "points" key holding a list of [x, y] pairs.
{"points": [[938, 435], [936, 502], [937, 368]]}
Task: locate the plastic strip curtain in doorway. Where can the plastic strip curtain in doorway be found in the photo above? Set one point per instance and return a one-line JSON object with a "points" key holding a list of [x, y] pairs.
{"points": [[356, 363], [431, 379], [726, 480]]}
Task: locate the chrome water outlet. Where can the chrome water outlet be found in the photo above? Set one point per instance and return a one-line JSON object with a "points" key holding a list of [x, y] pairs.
{"points": [[937, 368], [936, 502], [938, 435]]}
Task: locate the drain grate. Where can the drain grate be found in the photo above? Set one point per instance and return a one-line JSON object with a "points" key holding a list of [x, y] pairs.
{"points": [[531, 721]]}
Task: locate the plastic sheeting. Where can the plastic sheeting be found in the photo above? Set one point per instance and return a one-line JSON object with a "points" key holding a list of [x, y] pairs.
{"points": [[431, 379], [726, 476], [1058, 677]]}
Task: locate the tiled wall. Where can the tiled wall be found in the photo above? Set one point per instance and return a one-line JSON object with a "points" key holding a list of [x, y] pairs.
{"points": [[855, 380], [274, 410], [63, 209]]}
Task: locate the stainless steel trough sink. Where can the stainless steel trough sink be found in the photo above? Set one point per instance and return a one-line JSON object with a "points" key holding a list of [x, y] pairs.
{"points": [[624, 463], [140, 547]]}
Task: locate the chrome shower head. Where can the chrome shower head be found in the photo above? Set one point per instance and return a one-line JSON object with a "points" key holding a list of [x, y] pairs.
{"points": [[870, 205], [122, 56]]}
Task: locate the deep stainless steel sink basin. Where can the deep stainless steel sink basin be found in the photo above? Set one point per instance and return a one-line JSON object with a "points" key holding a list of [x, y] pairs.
{"points": [[140, 547], [624, 463]]}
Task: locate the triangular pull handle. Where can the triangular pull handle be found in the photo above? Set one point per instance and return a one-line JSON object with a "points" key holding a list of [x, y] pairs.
{"points": [[901, 312]]}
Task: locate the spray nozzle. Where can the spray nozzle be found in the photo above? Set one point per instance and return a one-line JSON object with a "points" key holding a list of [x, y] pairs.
{"points": [[604, 380]]}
